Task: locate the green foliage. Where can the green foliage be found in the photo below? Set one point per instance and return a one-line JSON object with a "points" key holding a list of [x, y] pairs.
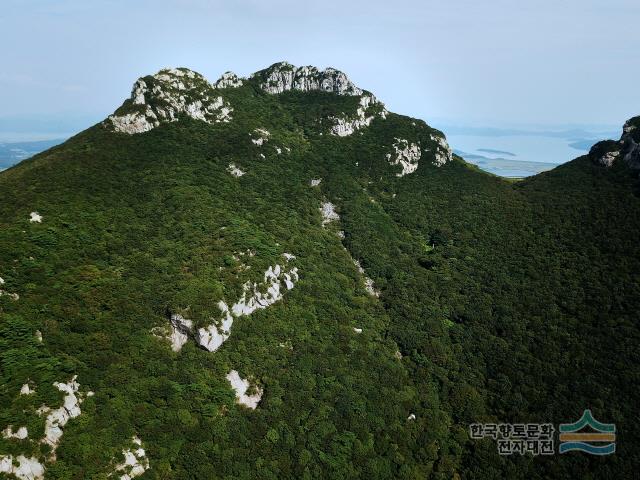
{"points": [[508, 301]]}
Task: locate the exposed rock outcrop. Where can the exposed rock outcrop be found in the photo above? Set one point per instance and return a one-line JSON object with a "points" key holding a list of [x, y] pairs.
{"points": [[260, 135], [282, 77], [328, 213], [175, 92], [241, 386], [135, 461], [32, 468], [255, 296], [627, 149], [234, 170], [367, 110], [443, 153], [35, 217], [58, 418], [406, 155], [26, 389], [19, 434], [26, 468], [229, 80], [180, 330], [214, 335], [164, 97]]}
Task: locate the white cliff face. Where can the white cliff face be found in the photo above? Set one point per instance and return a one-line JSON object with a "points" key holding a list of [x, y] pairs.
{"points": [[406, 155], [228, 80], [234, 170], [35, 217], [260, 135], [345, 126], [32, 468], [283, 77], [26, 468], [255, 296], [328, 213], [213, 336], [58, 418], [180, 330], [240, 386], [19, 434], [135, 461], [443, 152], [164, 97]]}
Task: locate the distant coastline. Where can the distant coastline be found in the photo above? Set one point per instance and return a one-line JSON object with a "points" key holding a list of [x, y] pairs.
{"points": [[496, 152]]}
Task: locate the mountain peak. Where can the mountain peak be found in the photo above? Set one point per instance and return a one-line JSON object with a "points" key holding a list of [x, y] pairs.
{"points": [[163, 97], [174, 92], [282, 76]]}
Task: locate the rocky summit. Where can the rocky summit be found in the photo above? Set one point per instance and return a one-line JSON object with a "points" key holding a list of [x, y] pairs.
{"points": [[627, 149], [275, 277]]}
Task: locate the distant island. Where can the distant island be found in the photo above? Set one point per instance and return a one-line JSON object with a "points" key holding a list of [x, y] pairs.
{"points": [[584, 144], [497, 152], [505, 167]]}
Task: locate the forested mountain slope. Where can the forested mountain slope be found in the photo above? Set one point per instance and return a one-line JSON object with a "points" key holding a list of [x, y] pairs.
{"points": [[367, 294]]}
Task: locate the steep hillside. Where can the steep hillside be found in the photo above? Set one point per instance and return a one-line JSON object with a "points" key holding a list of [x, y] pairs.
{"points": [[275, 277]]}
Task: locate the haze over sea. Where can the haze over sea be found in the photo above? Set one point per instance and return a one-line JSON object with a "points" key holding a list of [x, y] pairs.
{"points": [[511, 152]]}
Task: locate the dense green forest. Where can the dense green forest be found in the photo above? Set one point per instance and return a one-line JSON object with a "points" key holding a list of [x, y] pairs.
{"points": [[499, 301]]}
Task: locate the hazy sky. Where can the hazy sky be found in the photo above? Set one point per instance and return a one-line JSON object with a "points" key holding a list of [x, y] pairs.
{"points": [[493, 62]]}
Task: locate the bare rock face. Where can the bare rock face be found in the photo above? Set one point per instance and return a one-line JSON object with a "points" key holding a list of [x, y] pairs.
{"points": [[608, 152], [328, 212], [368, 109], [180, 330], [26, 468], [443, 153], [235, 170], [241, 386], [406, 155], [229, 80], [31, 468], [58, 418], [255, 296], [282, 77], [135, 461], [166, 96]]}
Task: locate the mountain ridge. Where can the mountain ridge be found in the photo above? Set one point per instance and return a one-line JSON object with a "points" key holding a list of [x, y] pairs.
{"points": [[158, 266]]}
